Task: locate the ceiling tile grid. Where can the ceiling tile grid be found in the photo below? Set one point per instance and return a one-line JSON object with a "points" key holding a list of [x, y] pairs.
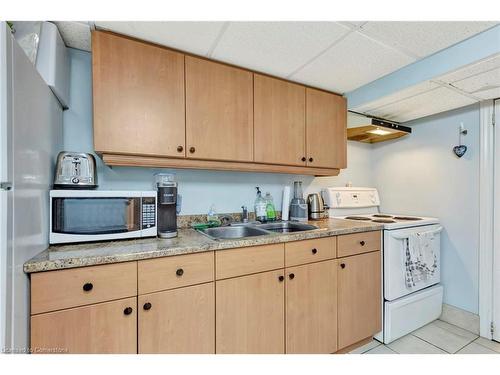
{"points": [[352, 62], [194, 37], [470, 70], [430, 102], [397, 96], [423, 38], [336, 56], [276, 48]]}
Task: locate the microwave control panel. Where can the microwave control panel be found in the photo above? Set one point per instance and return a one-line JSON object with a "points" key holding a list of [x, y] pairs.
{"points": [[148, 212]]}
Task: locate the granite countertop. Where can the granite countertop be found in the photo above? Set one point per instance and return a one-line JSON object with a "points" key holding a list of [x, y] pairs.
{"points": [[188, 241]]}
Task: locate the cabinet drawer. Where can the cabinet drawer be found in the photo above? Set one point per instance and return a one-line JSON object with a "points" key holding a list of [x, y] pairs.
{"points": [[246, 260], [358, 243], [175, 271], [307, 251], [62, 289]]}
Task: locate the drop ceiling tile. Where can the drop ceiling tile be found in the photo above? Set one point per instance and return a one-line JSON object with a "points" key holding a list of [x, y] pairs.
{"points": [[397, 96], [75, 34], [194, 37], [428, 103], [473, 69], [480, 82], [277, 48], [356, 60], [353, 24], [493, 93], [423, 38]]}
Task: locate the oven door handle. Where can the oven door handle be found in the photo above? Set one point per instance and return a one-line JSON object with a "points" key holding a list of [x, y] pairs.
{"points": [[405, 236]]}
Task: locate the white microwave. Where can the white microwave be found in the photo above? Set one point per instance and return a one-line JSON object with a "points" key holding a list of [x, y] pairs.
{"points": [[98, 215]]}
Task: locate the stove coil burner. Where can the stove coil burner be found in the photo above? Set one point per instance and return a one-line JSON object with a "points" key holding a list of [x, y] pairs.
{"points": [[357, 218], [382, 216], [385, 221], [407, 218]]}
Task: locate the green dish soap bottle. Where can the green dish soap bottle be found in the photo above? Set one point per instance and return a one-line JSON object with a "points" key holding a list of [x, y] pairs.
{"points": [[270, 210]]}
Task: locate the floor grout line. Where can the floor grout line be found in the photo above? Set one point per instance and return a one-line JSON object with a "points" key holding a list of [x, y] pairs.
{"points": [[484, 346], [430, 343]]}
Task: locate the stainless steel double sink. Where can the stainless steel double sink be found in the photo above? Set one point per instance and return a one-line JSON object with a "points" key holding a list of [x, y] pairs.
{"points": [[240, 230]]}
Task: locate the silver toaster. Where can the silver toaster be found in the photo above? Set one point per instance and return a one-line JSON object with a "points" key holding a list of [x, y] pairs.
{"points": [[75, 170]]}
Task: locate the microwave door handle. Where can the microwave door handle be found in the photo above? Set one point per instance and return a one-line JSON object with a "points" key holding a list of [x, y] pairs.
{"points": [[405, 236]]}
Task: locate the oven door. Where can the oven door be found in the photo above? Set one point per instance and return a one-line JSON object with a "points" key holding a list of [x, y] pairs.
{"points": [[395, 242], [79, 219]]}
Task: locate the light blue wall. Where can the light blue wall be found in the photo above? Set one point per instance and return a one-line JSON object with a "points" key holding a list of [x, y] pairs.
{"points": [[419, 175], [199, 189], [466, 52]]}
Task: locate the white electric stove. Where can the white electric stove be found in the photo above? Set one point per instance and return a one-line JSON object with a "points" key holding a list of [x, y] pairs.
{"points": [[405, 308]]}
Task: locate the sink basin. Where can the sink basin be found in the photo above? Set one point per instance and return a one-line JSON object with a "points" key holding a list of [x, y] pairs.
{"points": [[234, 232], [287, 227]]}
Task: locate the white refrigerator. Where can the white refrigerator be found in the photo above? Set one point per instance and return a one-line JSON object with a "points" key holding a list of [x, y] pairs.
{"points": [[30, 138]]}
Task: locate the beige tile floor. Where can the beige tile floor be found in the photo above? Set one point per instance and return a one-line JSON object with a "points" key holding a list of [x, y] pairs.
{"points": [[437, 337]]}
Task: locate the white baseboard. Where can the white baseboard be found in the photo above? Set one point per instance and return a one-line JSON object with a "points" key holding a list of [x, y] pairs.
{"points": [[461, 318]]}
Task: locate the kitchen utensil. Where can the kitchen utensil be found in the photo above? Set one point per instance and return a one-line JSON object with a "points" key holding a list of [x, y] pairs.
{"points": [[316, 206], [298, 206], [75, 170]]}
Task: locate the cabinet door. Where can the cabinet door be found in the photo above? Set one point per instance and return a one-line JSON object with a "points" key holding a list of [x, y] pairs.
{"points": [[219, 111], [250, 314], [311, 308], [279, 136], [109, 327], [178, 321], [326, 124], [138, 93], [359, 298]]}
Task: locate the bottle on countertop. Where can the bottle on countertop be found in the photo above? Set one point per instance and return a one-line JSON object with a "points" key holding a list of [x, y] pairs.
{"points": [[212, 217], [270, 210], [260, 207]]}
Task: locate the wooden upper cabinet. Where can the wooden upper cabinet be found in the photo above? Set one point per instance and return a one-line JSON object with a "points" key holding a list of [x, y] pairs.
{"points": [[359, 298], [219, 111], [326, 124], [279, 134], [138, 93]]}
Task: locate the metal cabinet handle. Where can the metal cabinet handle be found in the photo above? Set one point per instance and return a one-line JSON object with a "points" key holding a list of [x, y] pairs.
{"points": [[291, 276], [362, 243], [147, 306], [311, 159], [303, 158], [342, 265], [192, 150], [281, 278], [179, 272], [314, 251], [180, 148], [88, 287]]}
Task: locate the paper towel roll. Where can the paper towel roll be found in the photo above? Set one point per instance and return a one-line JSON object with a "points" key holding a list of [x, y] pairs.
{"points": [[285, 204]]}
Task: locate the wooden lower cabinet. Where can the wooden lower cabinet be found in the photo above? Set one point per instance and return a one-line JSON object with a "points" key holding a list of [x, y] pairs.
{"points": [[250, 314], [178, 321], [109, 327], [311, 308], [359, 298]]}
